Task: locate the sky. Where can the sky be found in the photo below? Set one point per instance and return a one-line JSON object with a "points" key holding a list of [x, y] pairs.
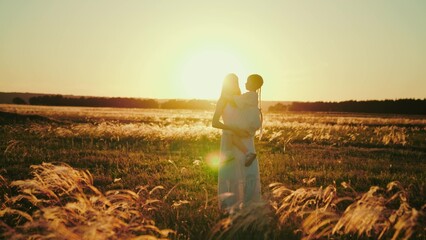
{"points": [[328, 50]]}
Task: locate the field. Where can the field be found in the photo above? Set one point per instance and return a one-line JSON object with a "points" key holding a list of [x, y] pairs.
{"points": [[323, 175]]}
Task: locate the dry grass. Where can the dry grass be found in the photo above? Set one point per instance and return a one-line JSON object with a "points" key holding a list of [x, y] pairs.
{"points": [[279, 129], [377, 213], [60, 202], [324, 213], [124, 148], [252, 222]]}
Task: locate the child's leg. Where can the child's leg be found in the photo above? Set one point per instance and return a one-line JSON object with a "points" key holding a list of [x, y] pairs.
{"points": [[250, 156], [239, 144]]}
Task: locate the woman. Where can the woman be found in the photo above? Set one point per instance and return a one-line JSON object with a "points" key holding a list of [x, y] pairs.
{"points": [[238, 185]]}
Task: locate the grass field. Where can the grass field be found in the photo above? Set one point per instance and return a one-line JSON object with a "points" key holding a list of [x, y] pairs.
{"points": [[319, 173]]}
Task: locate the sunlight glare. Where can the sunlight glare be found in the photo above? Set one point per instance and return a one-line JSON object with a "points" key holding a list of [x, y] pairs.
{"points": [[202, 72]]}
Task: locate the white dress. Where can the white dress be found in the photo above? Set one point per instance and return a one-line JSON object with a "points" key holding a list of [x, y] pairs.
{"points": [[238, 185]]}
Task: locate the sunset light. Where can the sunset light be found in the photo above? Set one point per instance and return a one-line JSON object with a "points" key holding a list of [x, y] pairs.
{"points": [[189, 119], [306, 51], [202, 70]]}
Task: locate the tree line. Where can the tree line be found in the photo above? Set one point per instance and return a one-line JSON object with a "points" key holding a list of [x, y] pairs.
{"points": [[117, 102], [400, 106]]}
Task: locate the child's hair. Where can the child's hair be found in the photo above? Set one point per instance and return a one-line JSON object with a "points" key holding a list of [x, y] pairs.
{"points": [[254, 82]]}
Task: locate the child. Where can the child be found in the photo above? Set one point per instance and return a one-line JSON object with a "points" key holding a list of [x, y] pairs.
{"points": [[250, 114]]}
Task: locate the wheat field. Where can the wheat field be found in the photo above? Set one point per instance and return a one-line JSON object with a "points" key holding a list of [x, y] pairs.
{"points": [[105, 173]]}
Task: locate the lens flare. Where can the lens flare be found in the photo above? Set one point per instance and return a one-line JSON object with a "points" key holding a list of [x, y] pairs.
{"points": [[213, 160]]}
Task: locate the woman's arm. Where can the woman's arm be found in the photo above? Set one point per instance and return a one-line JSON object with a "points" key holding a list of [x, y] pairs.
{"points": [[216, 123]]}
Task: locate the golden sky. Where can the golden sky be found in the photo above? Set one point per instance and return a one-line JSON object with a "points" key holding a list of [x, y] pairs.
{"points": [[329, 50]]}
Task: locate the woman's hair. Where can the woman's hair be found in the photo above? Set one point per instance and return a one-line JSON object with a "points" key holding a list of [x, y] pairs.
{"points": [[230, 85]]}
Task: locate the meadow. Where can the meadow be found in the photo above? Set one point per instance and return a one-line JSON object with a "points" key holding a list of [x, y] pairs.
{"points": [[107, 173]]}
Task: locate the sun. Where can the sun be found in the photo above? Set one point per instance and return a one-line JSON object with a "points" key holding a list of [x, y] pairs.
{"points": [[202, 71]]}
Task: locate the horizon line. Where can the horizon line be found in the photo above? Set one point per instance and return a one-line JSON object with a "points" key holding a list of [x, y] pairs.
{"points": [[266, 100]]}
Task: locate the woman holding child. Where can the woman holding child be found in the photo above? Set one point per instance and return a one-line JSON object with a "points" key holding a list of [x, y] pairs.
{"points": [[239, 179]]}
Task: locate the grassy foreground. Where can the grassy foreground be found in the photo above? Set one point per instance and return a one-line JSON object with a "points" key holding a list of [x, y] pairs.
{"points": [[147, 174]]}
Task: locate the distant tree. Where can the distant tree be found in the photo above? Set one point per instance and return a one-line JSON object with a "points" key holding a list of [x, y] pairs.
{"points": [[18, 100], [59, 100], [400, 106], [279, 107]]}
